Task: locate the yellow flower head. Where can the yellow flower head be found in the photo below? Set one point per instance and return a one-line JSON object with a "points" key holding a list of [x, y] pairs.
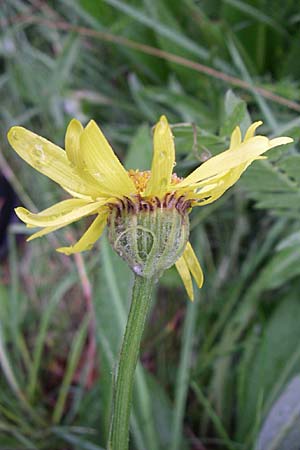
{"points": [[89, 170]]}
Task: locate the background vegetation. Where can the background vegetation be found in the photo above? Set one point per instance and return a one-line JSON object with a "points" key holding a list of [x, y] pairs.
{"points": [[210, 372]]}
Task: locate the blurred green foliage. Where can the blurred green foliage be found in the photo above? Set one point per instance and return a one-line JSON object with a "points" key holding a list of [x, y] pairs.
{"points": [[210, 371]]}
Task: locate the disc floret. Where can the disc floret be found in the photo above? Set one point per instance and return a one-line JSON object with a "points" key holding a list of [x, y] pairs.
{"points": [[147, 211]]}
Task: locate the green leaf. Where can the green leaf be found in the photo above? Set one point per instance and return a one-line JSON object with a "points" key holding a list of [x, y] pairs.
{"points": [[281, 268], [281, 430], [279, 345], [234, 119], [275, 184], [139, 155], [164, 30], [235, 114], [72, 363]]}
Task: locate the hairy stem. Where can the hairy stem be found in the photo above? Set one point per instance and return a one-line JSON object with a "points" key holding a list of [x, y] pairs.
{"points": [[140, 306]]}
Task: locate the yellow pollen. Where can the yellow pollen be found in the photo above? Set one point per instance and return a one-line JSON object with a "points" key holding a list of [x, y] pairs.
{"points": [[141, 179]]}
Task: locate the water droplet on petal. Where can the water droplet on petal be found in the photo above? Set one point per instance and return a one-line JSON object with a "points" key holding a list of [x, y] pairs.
{"points": [[38, 156], [98, 176], [38, 150], [163, 154], [137, 269]]}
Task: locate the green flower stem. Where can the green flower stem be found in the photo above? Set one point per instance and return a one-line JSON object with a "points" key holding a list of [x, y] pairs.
{"points": [[140, 306]]}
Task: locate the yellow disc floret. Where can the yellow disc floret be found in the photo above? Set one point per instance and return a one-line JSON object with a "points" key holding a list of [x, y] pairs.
{"points": [[141, 179]]}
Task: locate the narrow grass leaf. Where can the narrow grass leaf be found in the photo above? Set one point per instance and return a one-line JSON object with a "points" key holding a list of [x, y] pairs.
{"points": [[182, 382], [52, 304], [73, 359]]}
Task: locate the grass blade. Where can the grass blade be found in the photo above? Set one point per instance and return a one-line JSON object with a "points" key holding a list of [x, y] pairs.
{"points": [[74, 356], [182, 383]]}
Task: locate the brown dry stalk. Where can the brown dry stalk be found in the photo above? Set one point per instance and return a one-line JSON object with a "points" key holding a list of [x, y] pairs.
{"points": [[90, 354], [153, 51]]}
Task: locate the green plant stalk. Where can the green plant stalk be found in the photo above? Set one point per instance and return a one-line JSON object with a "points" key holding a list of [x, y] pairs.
{"points": [[140, 306]]}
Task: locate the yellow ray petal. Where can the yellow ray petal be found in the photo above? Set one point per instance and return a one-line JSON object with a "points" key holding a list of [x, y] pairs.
{"points": [[185, 275], [211, 193], [236, 138], [163, 159], [193, 264], [63, 207], [75, 155], [46, 230], [57, 217], [50, 160], [89, 238], [82, 196], [251, 130], [103, 164], [247, 151], [72, 143]]}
